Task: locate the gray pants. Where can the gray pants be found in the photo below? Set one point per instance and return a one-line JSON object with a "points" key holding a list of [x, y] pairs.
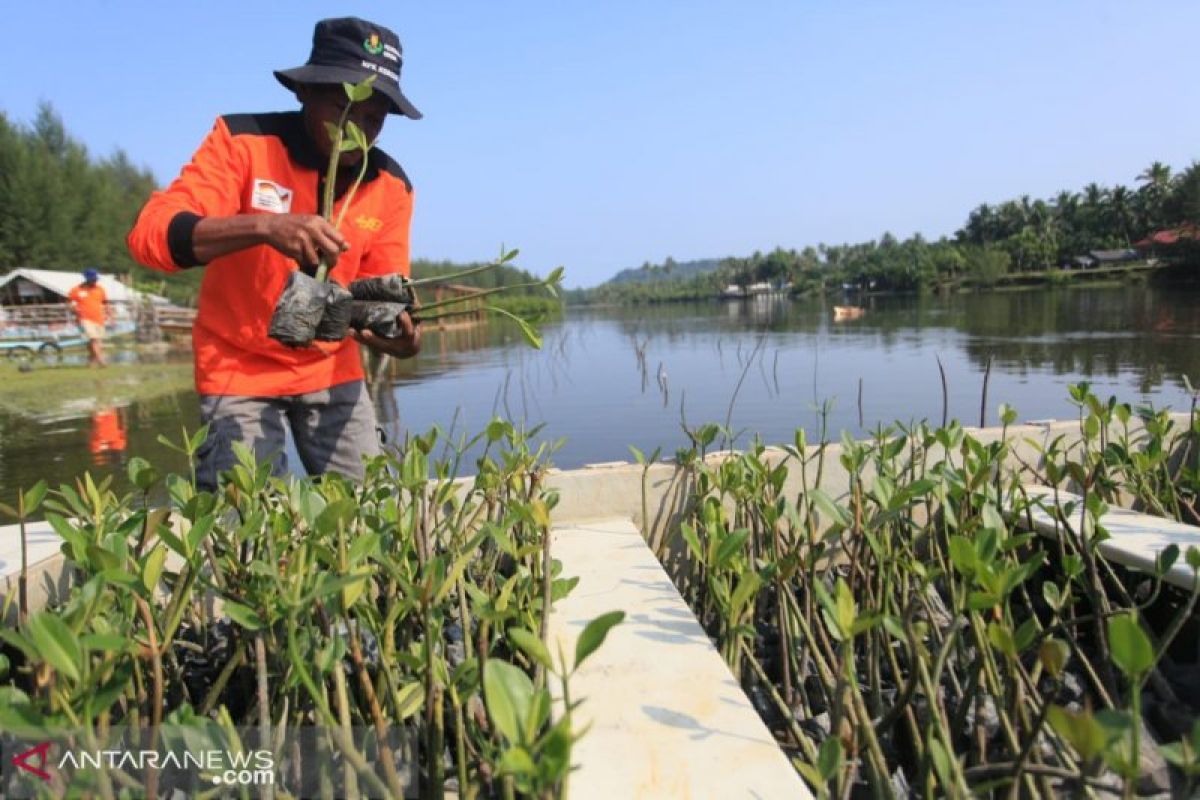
{"points": [[333, 430]]}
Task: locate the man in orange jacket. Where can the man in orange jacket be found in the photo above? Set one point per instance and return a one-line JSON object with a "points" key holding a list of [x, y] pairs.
{"points": [[246, 208], [88, 301]]}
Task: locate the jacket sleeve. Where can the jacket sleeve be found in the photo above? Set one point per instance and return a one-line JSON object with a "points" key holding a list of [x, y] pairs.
{"points": [[210, 185], [389, 252]]}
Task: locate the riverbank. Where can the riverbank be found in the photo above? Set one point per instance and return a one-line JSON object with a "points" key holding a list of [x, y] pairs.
{"points": [[47, 390], [1090, 277]]}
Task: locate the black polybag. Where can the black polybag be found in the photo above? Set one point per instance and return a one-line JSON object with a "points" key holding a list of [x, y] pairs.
{"points": [[299, 310], [378, 318], [310, 309], [386, 289], [335, 323]]}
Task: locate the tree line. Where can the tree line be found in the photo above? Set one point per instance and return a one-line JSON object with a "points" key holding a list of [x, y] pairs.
{"points": [[1016, 236], [60, 207]]}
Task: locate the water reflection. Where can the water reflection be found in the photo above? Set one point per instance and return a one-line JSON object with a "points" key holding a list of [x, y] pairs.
{"points": [[108, 438]]}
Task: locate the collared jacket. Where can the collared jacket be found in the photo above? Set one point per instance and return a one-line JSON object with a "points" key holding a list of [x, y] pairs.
{"points": [[266, 164]]}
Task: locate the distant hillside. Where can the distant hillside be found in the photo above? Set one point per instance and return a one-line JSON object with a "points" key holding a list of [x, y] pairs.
{"points": [[669, 270]]}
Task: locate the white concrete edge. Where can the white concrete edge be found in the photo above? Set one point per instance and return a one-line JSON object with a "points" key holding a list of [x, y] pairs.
{"points": [[664, 715], [1136, 539]]}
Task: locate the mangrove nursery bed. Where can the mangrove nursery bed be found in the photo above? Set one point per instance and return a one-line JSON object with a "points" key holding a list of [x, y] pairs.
{"points": [[296, 638], [908, 634]]}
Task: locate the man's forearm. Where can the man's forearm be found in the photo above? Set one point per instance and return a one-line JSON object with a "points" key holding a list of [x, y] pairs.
{"points": [[214, 237]]}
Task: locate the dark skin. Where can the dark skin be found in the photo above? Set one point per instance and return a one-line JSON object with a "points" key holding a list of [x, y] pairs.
{"points": [[307, 238]]}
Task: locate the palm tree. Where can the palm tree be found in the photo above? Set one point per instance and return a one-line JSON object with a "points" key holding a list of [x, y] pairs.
{"points": [[1121, 212], [1152, 196], [1157, 174]]}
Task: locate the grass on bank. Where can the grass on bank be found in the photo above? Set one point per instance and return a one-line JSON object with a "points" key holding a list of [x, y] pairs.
{"points": [[46, 388]]}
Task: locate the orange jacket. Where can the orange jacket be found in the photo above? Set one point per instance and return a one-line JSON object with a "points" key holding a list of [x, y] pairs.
{"points": [[265, 164], [88, 302]]}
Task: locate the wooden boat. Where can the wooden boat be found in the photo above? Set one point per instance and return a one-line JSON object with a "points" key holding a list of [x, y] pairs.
{"points": [[841, 313]]}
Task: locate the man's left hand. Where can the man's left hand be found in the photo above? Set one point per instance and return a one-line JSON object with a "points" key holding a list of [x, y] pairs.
{"points": [[406, 345]]}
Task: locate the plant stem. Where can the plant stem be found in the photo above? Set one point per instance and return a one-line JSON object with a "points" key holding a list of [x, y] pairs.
{"points": [[264, 710], [449, 301]]}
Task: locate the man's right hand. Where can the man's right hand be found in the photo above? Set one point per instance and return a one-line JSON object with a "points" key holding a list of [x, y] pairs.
{"points": [[303, 237], [307, 238]]}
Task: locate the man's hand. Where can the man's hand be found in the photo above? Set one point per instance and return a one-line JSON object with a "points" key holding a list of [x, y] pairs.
{"points": [[406, 345], [304, 237]]}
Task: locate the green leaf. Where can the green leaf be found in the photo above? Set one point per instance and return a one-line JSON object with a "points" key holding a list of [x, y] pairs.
{"points": [[101, 559], [962, 555], [1080, 729], [55, 643], [1166, 559], [980, 601], [693, 541], [409, 700], [339, 511], [17, 714], [941, 764], [1054, 653], [354, 589], [1002, 639], [532, 646], [508, 694], [365, 545], [845, 606], [196, 534], [152, 567], [747, 586], [593, 635], [105, 642], [196, 439], [356, 139], [1131, 649], [358, 92], [527, 330], [244, 616], [112, 690], [992, 519], [1052, 595], [730, 546], [809, 773], [33, 497], [1193, 557], [141, 474], [517, 761], [826, 506], [829, 758]]}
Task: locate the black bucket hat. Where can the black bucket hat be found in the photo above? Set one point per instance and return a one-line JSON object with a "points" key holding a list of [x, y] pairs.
{"points": [[348, 50]]}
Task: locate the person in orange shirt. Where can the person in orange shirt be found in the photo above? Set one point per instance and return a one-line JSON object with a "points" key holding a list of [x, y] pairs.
{"points": [[88, 300], [247, 210]]}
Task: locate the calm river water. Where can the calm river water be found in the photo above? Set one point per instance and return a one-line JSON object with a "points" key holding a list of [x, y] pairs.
{"points": [[610, 378]]}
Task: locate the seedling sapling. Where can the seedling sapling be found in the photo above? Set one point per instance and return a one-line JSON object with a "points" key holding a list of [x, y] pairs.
{"points": [[314, 308]]}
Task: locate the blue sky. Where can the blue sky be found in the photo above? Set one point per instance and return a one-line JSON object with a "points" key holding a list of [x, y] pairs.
{"points": [[599, 135]]}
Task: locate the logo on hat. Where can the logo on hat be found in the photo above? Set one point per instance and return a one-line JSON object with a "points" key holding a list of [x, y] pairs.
{"points": [[373, 45]]}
